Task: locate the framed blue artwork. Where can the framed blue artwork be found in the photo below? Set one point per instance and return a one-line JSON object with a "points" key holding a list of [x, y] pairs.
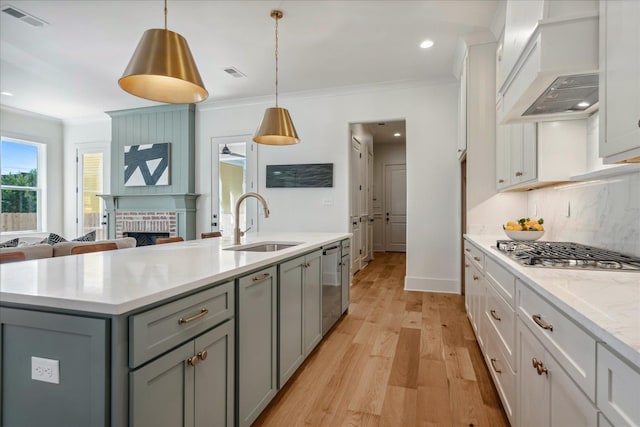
{"points": [[146, 165]]}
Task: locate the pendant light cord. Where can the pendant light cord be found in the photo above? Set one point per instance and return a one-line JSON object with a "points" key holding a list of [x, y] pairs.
{"points": [[165, 15], [276, 60]]}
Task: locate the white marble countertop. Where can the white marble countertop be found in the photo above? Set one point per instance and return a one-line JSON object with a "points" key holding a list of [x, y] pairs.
{"points": [[606, 303], [116, 282]]}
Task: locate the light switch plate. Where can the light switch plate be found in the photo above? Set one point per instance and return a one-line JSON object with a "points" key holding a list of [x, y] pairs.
{"points": [[46, 370]]}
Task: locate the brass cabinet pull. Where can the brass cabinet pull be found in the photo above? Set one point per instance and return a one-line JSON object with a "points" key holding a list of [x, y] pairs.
{"points": [[518, 173], [475, 277], [261, 277], [468, 250], [467, 265], [203, 312], [193, 360], [535, 362], [541, 369], [493, 365], [494, 315], [202, 355], [476, 258], [500, 181], [544, 325]]}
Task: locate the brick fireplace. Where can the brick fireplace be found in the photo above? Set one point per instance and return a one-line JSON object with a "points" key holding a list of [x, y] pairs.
{"points": [[146, 222]]}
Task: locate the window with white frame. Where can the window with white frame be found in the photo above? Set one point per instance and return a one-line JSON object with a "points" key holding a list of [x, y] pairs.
{"points": [[22, 166]]}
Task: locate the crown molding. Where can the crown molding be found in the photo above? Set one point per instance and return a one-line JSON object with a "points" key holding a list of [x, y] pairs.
{"points": [[29, 113]]}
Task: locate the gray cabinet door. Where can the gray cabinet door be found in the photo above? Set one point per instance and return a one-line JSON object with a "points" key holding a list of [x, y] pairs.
{"points": [[162, 392], [79, 345], [214, 377], [312, 295], [290, 305], [345, 281], [257, 342]]}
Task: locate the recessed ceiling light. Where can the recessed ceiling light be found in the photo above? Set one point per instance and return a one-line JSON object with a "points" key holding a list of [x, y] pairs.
{"points": [[396, 134], [426, 44], [6, 93], [583, 104]]}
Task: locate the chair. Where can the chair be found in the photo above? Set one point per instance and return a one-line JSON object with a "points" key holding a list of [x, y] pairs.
{"points": [[210, 235], [6, 257], [96, 247], [161, 240]]}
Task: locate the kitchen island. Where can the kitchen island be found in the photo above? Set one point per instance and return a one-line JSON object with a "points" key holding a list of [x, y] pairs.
{"points": [[562, 345], [177, 334]]}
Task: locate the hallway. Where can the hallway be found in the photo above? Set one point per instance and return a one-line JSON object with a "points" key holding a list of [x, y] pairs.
{"points": [[397, 358]]}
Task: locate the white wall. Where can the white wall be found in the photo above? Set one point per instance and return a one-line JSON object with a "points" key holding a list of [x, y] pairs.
{"points": [[47, 130], [322, 121], [78, 133]]}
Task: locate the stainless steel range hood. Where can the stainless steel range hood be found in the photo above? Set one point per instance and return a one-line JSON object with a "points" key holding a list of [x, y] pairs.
{"points": [[556, 75]]}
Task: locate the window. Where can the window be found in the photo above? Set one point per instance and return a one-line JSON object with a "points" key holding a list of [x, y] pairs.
{"points": [[21, 184]]}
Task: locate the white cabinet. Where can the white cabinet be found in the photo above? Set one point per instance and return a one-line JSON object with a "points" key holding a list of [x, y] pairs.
{"points": [[547, 395], [462, 108], [620, 81], [532, 155], [618, 388]]}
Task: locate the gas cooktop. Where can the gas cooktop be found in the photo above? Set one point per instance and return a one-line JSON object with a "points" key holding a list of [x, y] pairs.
{"points": [[567, 255]]}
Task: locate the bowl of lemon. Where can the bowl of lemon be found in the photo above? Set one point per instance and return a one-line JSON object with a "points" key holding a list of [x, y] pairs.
{"points": [[524, 229]]}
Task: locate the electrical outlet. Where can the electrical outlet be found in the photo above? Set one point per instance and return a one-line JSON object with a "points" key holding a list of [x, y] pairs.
{"points": [[46, 370]]}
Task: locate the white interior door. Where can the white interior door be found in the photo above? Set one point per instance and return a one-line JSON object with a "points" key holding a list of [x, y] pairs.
{"points": [[93, 178], [395, 191], [234, 172]]}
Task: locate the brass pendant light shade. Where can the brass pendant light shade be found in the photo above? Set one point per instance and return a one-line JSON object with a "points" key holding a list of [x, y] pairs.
{"points": [[162, 69], [276, 127]]}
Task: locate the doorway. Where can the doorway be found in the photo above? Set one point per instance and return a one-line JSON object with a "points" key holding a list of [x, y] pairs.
{"points": [[395, 206], [236, 159], [92, 178]]}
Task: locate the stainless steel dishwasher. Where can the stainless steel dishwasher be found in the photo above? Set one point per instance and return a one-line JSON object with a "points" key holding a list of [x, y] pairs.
{"points": [[331, 286]]}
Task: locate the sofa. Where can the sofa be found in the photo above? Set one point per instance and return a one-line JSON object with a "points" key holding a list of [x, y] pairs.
{"points": [[45, 250]]}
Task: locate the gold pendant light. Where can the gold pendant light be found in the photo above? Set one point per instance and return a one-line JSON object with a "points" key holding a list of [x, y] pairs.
{"points": [[276, 127], [162, 69]]}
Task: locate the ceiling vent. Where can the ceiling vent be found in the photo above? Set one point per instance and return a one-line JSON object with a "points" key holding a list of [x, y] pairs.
{"points": [[232, 71], [23, 16]]}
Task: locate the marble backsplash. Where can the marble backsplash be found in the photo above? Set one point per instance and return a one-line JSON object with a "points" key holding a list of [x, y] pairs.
{"points": [[603, 213]]}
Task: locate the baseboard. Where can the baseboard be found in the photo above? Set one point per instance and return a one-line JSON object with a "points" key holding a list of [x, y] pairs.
{"points": [[430, 284]]}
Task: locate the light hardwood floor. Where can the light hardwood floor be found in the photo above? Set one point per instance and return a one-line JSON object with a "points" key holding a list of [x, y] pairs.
{"points": [[397, 358]]}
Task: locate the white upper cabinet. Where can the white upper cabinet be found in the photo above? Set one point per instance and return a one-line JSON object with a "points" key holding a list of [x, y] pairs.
{"points": [[462, 109], [620, 81], [530, 155]]}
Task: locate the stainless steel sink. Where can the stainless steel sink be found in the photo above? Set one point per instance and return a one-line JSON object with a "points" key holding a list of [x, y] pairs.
{"points": [[263, 247]]}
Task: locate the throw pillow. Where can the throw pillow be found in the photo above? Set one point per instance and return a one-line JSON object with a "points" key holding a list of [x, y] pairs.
{"points": [[89, 237], [53, 239], [10, 243]]}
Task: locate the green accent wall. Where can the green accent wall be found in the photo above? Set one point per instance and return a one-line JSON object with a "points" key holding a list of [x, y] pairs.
{"points": [[166, 123]]}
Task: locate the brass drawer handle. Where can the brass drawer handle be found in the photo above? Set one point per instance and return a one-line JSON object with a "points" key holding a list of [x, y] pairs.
{"points": [[202, 355], [493, 365], [261, 277], [494, 315], [467, 265], [475, 277], [203, 312], [544, 325], [193, 360], [541, 369], [468, 250], [518, 173], [500, 181], [476, 258], [535, 362]]}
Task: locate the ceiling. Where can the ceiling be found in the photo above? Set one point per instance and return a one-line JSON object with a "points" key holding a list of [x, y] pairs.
{"points": [[70, 67], [385, 132]]}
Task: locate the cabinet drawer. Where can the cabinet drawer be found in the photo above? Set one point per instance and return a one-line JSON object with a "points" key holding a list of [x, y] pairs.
{"points": [[574, 349], [500, 317], [501, 279], [618, 389], [475, 255], [503, 376], [160, 329]]}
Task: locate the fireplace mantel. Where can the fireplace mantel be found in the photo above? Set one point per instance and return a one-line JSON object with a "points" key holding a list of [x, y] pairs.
{"points": [[183, 204]]}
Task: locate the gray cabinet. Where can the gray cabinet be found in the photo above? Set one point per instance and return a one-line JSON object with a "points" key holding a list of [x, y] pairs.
{"points": [[256, 343], [191, 386], [80, 346], [299, 312]]}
